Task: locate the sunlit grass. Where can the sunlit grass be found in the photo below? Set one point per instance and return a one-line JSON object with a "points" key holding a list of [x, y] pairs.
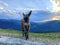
{"points": [[39, 35], [10, 31], [46, 35]]}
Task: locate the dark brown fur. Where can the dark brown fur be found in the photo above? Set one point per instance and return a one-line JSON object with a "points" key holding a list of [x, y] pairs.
{"points": [[25, 25]]}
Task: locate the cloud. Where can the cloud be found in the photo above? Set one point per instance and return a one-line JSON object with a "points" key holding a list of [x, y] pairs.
{"points": [[33, 5], [9, 14], [3, 5], [27, 9], [55, 18], [1, 8], [52, 18], [55, 5], [10, 11]]}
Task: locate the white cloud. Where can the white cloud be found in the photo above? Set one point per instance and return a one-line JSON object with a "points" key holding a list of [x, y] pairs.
{"points": [[27, 9], [11, 11], [55, 5], [11, 14], [1, 8], [3, 3], [50, 19]]}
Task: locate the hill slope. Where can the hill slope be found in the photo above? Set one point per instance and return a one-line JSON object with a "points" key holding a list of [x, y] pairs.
{"points": [[50, 26]]}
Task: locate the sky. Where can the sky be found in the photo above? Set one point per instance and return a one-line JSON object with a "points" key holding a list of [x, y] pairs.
{"points": [[43, 9]]}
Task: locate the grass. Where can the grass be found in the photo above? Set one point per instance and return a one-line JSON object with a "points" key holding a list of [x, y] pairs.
{"points": [[46, 35], [10, 31], [39, 35]]}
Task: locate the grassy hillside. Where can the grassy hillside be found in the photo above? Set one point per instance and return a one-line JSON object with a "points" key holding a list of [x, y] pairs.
{"points": [[11, 32]]}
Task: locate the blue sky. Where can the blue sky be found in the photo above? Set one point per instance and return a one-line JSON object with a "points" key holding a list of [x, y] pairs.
{"points": [[43, 9], [36, 4]]}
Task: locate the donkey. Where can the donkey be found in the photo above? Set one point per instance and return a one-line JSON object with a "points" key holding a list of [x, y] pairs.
{"points": [[25, 25]]}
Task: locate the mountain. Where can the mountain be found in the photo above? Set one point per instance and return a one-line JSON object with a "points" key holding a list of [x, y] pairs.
{"points": [[10, 24], [49, 26]]}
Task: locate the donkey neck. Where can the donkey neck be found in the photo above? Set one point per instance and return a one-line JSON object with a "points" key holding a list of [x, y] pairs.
{"points": [[26, 21]]}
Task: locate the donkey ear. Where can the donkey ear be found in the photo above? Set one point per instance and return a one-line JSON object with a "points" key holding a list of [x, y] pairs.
{"points": [[23, 14], [29, 13]]}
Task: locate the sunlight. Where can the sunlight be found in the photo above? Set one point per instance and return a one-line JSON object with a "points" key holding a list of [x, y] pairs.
{"points": [[56, 18], [55, 5]]}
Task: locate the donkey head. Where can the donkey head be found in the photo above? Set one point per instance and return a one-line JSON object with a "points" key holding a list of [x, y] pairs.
{"points": [[26, 16]]}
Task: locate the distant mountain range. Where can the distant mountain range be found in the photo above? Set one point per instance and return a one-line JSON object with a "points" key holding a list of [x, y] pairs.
{"points": [[49, 26]]}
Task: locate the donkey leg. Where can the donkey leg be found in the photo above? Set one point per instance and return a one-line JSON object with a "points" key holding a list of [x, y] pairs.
{"points": [[26, 35], [23, 34]]}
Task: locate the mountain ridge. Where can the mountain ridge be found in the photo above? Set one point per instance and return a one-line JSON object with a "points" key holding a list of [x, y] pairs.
{"points": [[49, 26]]}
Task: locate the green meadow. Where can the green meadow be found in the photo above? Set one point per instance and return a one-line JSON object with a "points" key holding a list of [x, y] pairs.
{"points": [[12, 32]]}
